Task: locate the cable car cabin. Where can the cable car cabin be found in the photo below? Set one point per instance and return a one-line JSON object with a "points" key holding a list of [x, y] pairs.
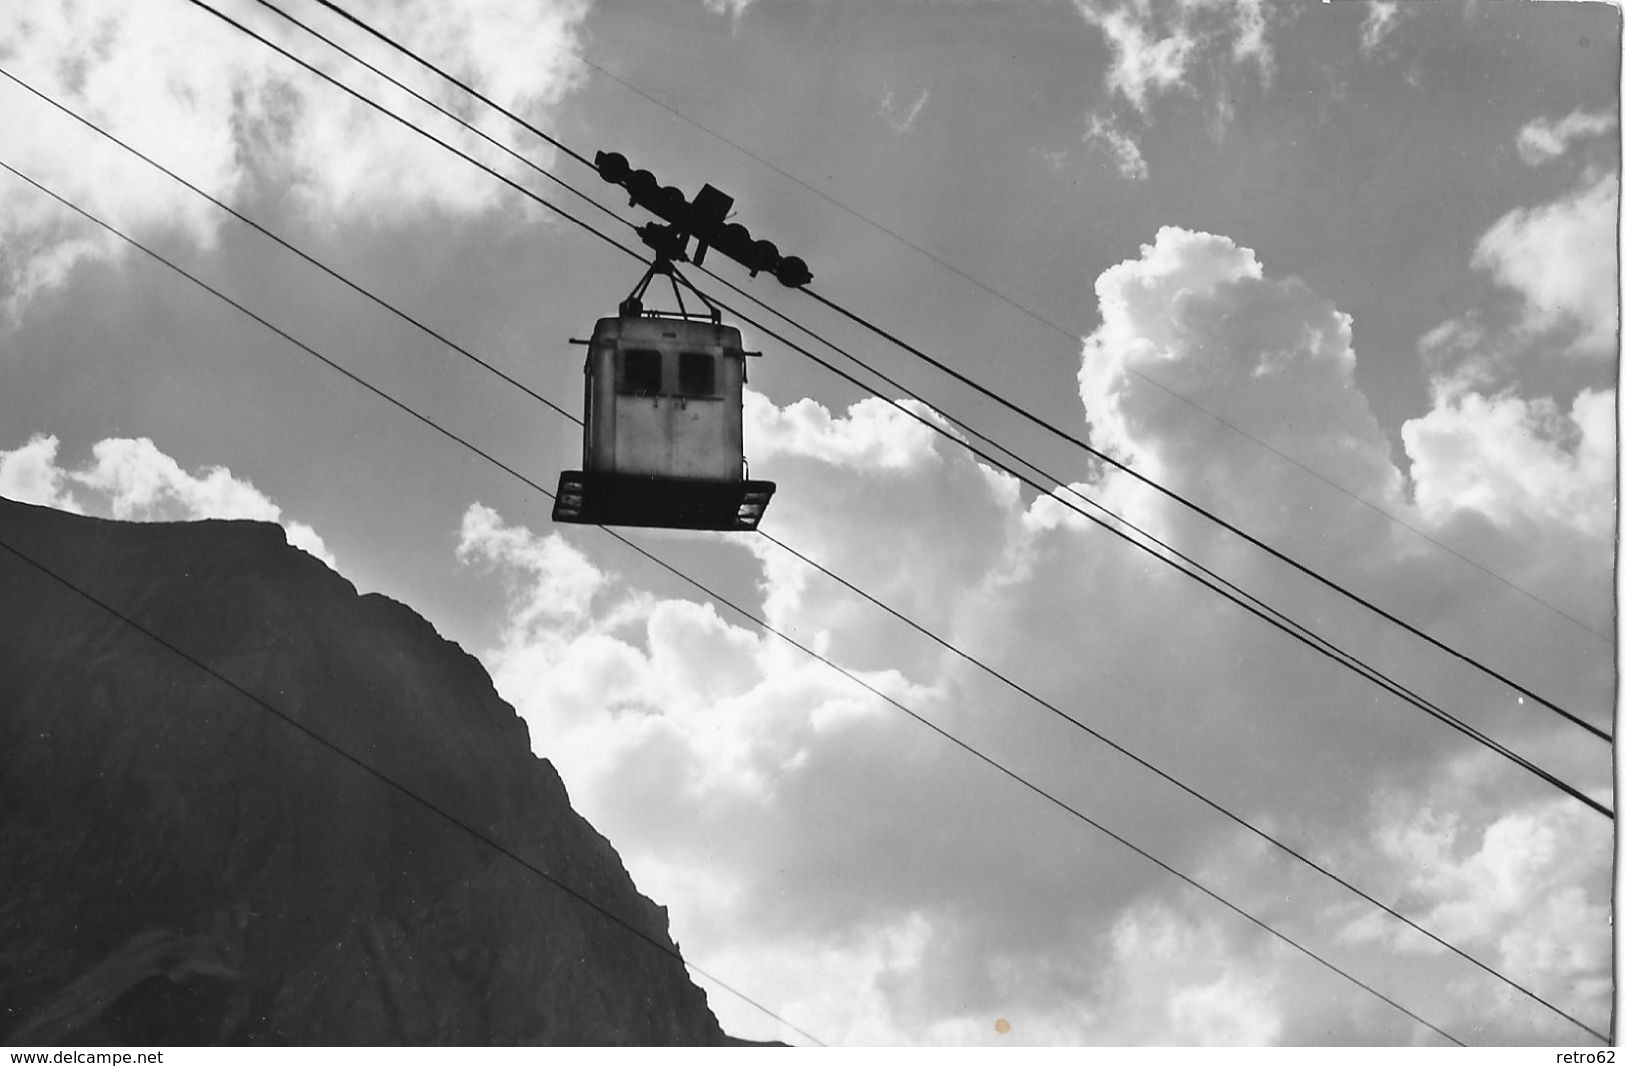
{"points": [[663, 443]]}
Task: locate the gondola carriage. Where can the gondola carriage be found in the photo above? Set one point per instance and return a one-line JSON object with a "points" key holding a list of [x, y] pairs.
{"points": [[663, 440]]}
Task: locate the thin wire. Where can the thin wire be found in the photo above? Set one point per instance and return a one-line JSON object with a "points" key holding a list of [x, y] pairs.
{"points": [[526, 160], [470, 90], [1268, 549], [422, 801], [1280, 620], [1295, 630], [313, 261], [1176, 782], [529, 163], [1433, 711], [1301, 631], [1071, 334], [1001, 400], [517, 155], [420, 131], [1007, 681], [334, 7], [464, 86], [760, 622], [194, 279]]}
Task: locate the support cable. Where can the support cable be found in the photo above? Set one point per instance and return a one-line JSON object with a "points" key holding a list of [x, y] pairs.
{"points": [[517, 156], [1182, 786], [980, 664], [1575, 793], [1071, 334], [1050, 427], [1319, 644], [453, 116], [1192, 505], [964, 379], [310, 259], [742, 612]]}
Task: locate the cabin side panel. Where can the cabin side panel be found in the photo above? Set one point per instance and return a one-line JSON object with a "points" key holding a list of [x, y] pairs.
{"points": [[598, 453]]}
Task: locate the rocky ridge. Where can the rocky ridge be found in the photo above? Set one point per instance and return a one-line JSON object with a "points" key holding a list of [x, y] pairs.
{"points": [[182, 867]]}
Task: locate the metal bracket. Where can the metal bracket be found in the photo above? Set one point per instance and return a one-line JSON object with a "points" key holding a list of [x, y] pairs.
{"points": [[632, 306]]}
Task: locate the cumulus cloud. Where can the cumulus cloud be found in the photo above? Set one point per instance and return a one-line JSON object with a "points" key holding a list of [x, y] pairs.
{"points": [[876, 884], [30, 474], [233, 117], [1524, 886], [1495, 466], [1543, 140], [875, 434], [1514, 459], [1194, 315], [876, 461], [131, 480], [1185, 979], [1124, 150], [1561, 258], [1520, 483]]}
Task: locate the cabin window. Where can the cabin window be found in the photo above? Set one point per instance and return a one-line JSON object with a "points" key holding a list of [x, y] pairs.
{"points": [[640, 372], [696, 374]]}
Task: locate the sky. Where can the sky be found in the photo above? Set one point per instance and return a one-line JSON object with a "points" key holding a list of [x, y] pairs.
{"points": [[1344, 274]]}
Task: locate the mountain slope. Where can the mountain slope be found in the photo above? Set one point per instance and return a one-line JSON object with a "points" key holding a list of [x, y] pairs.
{"points": [[182, 867]]}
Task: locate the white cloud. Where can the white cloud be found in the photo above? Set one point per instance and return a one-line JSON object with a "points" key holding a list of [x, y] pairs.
{"points": [[659, 666], [895, 472], [131, 480], [1144, 63], [1125, 152], [1158, 49], [1382, 18], [900, 118], [1520, 885], [771, 765], [1543, 140], [232, 116], [1248, 26], [566, 582], [1515, 460], [875, 435], [875, 884], [1188, 981], [732, 8], [1495, 468], [1561, 258], [30, 474], [1196, 315]]}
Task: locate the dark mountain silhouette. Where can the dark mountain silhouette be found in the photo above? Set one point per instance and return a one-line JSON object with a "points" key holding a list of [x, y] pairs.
{"points": [[178, 866]]}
